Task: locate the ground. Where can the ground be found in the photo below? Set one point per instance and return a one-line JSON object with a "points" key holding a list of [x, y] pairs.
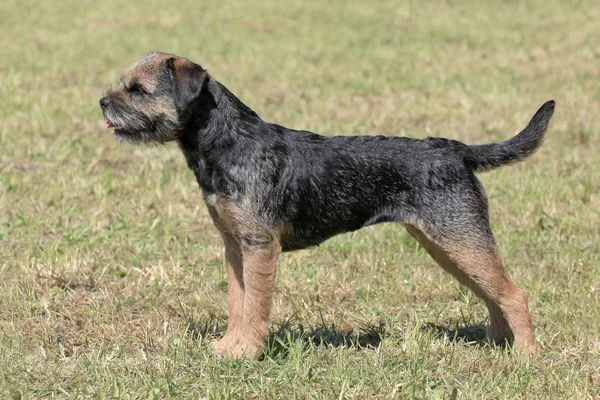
{"points": [[112, 282]]}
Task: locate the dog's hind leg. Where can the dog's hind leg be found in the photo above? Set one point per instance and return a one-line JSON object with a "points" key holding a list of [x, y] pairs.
{"points": [[477, 265]]}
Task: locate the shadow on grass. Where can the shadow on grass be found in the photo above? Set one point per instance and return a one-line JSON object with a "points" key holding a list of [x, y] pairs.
{"points": [[469, 336], [325, 336], [368, 336], [280, 340], [211, 328]]}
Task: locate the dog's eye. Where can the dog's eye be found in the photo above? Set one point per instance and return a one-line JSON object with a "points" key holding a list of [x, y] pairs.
{"points": [[136, 89]]}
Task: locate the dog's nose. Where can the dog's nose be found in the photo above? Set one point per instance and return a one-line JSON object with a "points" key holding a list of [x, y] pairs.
{"points": [[104, 102]]}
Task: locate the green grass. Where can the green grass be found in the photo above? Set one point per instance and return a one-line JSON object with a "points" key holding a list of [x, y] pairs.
{"points": [[111, 274]]}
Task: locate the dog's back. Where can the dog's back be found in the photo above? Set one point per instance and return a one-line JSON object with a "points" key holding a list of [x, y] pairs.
{"points": [[356, 181]]}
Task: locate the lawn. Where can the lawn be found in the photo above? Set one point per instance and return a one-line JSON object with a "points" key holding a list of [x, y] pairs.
{"points": [[112, 283]]}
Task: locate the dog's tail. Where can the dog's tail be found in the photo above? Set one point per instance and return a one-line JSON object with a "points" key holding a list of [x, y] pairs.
{"points": [[489, 156]]}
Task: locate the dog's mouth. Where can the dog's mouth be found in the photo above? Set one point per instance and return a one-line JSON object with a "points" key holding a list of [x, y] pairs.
{"points": [[118, 130], [122, 128], [109, 120], [119, 127]]}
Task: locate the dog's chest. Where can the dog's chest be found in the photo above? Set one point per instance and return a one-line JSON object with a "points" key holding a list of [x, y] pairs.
{"points": [[233, 219], [221, 219]]}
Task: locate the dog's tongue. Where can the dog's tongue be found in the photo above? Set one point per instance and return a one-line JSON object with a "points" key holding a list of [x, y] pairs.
{"points": [[109, 125]]}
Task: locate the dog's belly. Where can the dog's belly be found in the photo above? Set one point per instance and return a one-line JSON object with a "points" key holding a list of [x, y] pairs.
{"points": [[303, 234], [344, 202]]}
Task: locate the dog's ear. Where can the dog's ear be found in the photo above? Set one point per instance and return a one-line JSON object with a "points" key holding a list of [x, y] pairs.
{"points": [[188, 80]]}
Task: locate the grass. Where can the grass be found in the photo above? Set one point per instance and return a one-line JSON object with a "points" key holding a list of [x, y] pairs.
{"points": [[111, 274]]}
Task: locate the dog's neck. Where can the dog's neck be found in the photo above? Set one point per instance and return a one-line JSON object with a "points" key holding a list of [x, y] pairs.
{"points": [[218, 123]]}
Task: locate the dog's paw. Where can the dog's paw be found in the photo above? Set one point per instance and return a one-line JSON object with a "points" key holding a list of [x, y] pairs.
{"points": [[223, 346], [247, 349], [238, 347], [525, 347]]}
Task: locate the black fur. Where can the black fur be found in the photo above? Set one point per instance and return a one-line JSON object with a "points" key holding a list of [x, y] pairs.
{"points": [[322, 186], [187, 81], [490, 156]]}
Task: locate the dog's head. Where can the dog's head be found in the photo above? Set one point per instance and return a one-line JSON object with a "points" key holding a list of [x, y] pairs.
{"points": [[153, 98]]}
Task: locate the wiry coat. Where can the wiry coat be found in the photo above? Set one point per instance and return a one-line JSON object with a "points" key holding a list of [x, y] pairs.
{"points": [[319, 186], [270, 189]]}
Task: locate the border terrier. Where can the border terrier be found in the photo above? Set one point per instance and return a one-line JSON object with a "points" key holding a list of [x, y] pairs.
{"points": [[271, 189]]}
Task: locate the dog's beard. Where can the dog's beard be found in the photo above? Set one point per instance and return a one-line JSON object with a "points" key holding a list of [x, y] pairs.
{"points": [[133, 127]]}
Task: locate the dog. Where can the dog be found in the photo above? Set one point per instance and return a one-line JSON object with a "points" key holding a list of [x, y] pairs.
{"points": [[270, 189]]}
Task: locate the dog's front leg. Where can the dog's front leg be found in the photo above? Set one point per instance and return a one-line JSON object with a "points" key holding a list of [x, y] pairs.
{"points": [[259, 279], [235, 302]]}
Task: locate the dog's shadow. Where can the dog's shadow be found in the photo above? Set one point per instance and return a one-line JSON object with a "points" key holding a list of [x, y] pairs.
{"points": [[280, 342], [288, 334], [369, 336], [470, 335]]}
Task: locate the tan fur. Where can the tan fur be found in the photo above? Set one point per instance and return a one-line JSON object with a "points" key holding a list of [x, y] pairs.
{"points": [[144, 71], [482, 271], [251, 274], [242, 222]]}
